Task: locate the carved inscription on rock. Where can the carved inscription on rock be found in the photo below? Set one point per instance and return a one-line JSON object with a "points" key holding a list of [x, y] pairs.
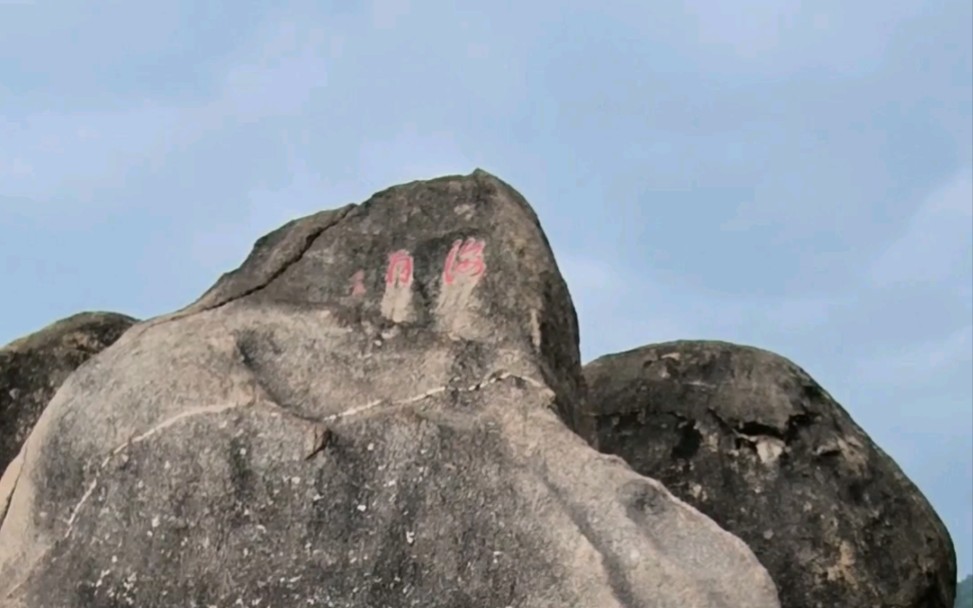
{"points": [[397, 299], [463, 269]]}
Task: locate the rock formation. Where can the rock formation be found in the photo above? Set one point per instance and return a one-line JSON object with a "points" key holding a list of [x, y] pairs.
{"points": [[33, 367], [364, 414], [749, 439]]}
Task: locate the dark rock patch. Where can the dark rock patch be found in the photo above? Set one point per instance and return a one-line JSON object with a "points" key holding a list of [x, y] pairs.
{"points": [[751, 440], [32, 368]]}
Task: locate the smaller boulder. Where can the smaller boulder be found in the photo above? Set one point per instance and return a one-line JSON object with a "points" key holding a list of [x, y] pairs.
{"points": [[32, 368], [751, 440]]}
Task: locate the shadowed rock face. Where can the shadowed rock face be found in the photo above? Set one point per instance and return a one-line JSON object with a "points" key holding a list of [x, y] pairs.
{"points": [[33, 367], [365, 414], [748, 438]]}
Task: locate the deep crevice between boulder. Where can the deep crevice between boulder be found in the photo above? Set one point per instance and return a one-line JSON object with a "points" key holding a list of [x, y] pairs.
{"points": [[690, 439]]}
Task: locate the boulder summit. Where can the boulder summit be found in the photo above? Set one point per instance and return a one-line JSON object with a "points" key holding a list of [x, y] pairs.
{"points": [[367, 413]]}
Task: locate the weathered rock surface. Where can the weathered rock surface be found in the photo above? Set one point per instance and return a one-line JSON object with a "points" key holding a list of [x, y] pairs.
{"points": [[33, 367], [364, 414], [751, 440]]}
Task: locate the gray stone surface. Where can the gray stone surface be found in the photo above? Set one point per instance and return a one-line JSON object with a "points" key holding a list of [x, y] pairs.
{"points": [[367, 414], [32, 368], [751, 440]]}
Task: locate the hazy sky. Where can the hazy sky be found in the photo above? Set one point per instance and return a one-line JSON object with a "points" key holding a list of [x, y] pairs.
{"points": [[792, 175]]}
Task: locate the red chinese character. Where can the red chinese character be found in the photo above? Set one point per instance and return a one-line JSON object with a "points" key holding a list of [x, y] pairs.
{"points": [[464, 259], [358, 283], [400, 269]]}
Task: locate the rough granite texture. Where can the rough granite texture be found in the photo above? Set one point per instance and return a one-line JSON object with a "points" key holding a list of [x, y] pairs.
{"points": [[366, 414], [750, 439], [32, 368]]}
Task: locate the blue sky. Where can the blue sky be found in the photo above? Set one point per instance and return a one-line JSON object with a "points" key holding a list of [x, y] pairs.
{"points": [[792, 175]]}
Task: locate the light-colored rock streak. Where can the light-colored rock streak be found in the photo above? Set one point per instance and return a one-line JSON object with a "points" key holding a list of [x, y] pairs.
{"points": [[77, 507], [217, 409], [361, 409], [190, 413]]}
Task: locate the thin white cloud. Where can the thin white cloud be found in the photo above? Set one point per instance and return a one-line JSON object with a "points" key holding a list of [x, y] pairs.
{"points": [[80, 151], [782, 36], [386, 13], [589, 275], [15, 168], [747, 29], [622, 307], [937, 242], [919, 363], [84, 152], [289, 63]]}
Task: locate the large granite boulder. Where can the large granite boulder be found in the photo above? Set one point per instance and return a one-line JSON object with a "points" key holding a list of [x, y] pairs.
{"points": [[750, 439], [33, 367], [365, 414]]}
